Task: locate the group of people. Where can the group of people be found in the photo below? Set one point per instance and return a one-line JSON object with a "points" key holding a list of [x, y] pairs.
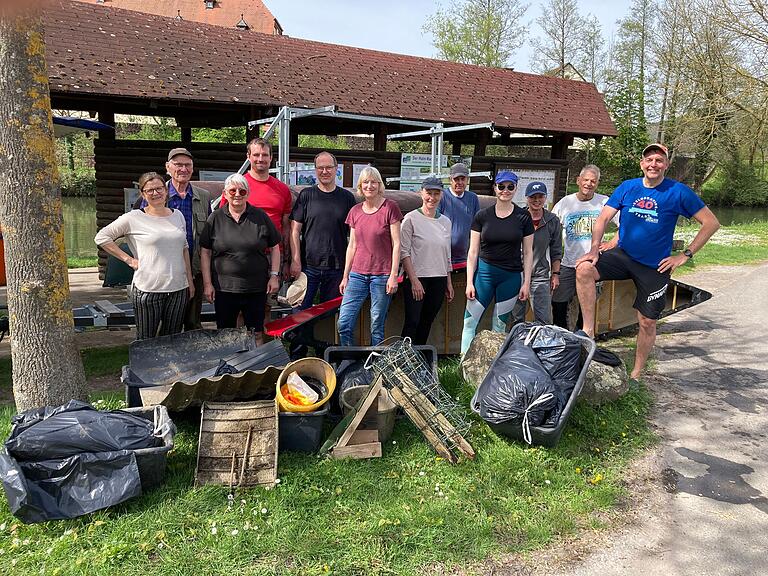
{"points": [[183, 250]]}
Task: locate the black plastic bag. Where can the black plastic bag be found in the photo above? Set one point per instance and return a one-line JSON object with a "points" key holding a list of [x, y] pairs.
{"points": [[68, 487], [50, 433], [352, 373], [517, 389], [561, 356]]}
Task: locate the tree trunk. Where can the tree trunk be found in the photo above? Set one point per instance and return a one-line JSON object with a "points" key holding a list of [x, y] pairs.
{"points": [[47, 369]]}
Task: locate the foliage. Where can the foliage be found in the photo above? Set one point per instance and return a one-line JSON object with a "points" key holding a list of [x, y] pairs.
{"points": [[231, 135], [86, 262], [736, 183], [484, 32], [324, 142], [155, 128], [394, 515], [563, 29], [78, 182]]}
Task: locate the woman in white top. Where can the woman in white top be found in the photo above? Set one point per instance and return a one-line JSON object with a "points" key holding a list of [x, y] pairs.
{"points": [[426, 256], [162, 281]]}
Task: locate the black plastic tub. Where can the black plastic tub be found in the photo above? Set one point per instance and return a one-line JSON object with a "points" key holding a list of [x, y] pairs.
{"points": [[301, 431], [152, 461]]}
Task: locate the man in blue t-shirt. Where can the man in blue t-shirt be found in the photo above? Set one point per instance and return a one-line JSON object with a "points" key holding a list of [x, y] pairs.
{"points": [[459, 205], [650, 207]]}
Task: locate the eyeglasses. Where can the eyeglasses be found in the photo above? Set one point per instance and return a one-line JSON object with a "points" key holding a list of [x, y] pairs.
{"points": [[325, 168], [182, 164], [151, 191], [237, 192], [510, 187]]}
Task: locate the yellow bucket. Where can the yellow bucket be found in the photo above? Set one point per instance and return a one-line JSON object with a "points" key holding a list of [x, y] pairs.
{"points": [[315, 368]]}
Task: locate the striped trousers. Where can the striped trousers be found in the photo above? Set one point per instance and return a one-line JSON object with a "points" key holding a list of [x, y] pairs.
{"points": [[159, 310]]}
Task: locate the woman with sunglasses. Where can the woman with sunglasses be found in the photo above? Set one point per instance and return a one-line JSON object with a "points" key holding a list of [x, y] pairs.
{"points": [[162, 281], [237, 276], [500, 259]]}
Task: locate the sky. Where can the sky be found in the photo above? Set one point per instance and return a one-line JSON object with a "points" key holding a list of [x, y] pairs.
{"points": [[395, 25]]}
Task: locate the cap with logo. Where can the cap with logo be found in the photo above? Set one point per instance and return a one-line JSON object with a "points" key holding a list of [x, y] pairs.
{"points": [[534, 188]]}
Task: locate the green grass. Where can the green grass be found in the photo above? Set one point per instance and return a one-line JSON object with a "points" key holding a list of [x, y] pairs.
{"points": [[731, 245], [96, 362], [88, 262], [395, 515]]}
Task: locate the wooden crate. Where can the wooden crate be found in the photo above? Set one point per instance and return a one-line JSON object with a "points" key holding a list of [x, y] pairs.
{"points": [[238, 444]]}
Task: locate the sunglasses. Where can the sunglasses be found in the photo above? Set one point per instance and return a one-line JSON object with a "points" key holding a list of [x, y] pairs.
{"points": [[238, 192], [510, 187]]}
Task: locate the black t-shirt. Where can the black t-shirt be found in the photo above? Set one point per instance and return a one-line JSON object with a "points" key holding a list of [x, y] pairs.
{"points": [[501, 239], [239, 262], [323, 233]]}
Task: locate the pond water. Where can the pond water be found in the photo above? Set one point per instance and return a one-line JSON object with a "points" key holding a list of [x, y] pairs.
{"points": [[80, 223], [79, 226]]}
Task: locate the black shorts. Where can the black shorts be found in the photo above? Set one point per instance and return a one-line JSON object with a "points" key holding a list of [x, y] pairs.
{"points": [[229, 304], [650, 284]]}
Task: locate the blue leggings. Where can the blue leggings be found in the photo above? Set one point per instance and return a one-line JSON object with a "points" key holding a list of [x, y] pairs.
{"points": [[490, 282]]}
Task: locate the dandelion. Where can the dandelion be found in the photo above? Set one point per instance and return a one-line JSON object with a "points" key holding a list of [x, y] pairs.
{"points": [[578, 470]]}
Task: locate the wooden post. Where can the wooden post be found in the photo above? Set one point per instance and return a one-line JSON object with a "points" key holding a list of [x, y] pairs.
{"points": [[186, 135], [380, 138], [456, 148]]}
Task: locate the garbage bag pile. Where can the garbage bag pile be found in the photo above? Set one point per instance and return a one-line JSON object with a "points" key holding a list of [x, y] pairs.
{"points": [[66, 461], [531, 379]]}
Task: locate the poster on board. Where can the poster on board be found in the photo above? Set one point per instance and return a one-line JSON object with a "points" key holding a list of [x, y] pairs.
{"points": [[303, 174], [415, 167], [526, 176]]}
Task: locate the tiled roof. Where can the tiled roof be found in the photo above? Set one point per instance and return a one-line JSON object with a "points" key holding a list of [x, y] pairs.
{"points": [[224, 12], [107, 52]]}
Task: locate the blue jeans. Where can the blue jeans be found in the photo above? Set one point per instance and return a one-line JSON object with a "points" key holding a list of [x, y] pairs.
{"points": [[326, 282], [358, 289]]}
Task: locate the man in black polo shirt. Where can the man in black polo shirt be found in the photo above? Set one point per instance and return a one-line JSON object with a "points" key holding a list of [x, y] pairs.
{"points": [[319, 234]]}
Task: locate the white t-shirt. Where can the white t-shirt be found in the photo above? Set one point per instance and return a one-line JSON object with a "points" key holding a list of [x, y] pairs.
{"points": [[158, 243], [577, 218]]}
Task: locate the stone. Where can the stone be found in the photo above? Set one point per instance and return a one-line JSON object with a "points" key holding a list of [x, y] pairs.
{"points": [[479, 357], [604, 383]]}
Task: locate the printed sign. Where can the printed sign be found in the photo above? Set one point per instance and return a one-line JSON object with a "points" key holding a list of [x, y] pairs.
{"points": [[415, 167]]}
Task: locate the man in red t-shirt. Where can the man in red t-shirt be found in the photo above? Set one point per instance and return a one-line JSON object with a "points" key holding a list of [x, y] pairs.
{"points": [[267, 192]]}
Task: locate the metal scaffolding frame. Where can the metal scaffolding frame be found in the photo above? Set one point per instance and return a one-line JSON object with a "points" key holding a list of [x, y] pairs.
{"points": [[282, 121]]}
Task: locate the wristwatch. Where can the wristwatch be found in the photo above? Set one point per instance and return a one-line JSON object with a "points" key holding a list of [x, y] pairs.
{"points": [[275, 274], [687, 252], [556, 273]]}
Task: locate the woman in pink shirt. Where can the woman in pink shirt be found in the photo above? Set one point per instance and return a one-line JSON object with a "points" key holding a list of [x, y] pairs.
{"points": [[372, 260]]}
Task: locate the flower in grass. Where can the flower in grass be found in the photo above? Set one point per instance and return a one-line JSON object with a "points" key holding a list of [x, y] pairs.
{"points": [[547, 482], [264, 510], [277, 480], [578, 470], [235, 532], [596, 479], [3, 525], [394, 442], [422, 473]]}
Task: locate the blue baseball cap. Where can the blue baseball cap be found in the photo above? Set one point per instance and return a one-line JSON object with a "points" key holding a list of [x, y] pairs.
{"points": [[506, 176], [535, 188]]}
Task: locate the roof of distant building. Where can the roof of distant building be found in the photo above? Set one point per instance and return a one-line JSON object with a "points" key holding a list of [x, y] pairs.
{"points": [[222, 13]]}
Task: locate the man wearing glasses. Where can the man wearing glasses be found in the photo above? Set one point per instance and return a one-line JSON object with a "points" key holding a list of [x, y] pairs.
{"points": [[319, 233], [195, 204]]}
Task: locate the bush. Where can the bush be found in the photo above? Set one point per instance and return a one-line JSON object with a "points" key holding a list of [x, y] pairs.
{"points": [[735, 184], [79, 182]]}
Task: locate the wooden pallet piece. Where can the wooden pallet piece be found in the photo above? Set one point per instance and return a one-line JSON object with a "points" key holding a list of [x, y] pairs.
{"points": [[345, 437], [238, 444], [418, 420], [427, 407]]}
